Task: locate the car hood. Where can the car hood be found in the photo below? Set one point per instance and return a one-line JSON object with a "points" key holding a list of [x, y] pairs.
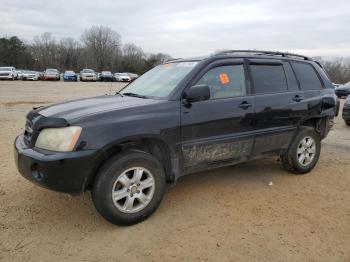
{"points": [[81, 108], [344, 87]]}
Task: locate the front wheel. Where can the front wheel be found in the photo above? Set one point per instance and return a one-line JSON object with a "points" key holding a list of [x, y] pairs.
{"points": [[129, 188], [303, 152]]}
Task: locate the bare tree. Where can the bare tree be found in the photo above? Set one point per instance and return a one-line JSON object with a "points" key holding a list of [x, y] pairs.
{"points": [[104, 45], [44, 51], [153, 60], [133, 58], [338, 70], [70, 54]]}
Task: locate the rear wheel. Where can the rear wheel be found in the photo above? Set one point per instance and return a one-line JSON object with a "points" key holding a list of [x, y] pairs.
{"points": [[129, 188], [303, 153]]}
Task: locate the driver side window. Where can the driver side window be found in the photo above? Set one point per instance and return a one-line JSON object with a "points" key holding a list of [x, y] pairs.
{"points": [[225, 81]]}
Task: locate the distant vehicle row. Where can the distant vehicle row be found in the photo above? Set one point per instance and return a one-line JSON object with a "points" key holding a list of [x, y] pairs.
{"points": [[10, 73]]}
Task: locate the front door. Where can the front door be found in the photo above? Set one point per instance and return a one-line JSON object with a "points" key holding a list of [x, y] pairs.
{"points": [[218, 130]]}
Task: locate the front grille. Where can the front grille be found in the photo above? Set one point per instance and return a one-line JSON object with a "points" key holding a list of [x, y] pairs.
{"points": [[4, 74]]}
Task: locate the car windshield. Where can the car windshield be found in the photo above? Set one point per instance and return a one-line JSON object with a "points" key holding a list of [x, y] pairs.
{"points": [[5, 69], [124, 74], [87, 71], [161, 80], [106, 73], [51, 71], [69, 72]]}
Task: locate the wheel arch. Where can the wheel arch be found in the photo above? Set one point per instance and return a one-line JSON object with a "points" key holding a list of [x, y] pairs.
{"points": [[320, 124], [158, 148]]}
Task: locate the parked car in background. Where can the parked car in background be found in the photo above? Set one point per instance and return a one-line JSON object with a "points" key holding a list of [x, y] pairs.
{"points": [[41, 75], [8, 73], [98, 76], [30, 75], [133, 76], [88, 75], [106, 76], [346, 111], [180, 117], [70, 76], [52, 74], [20, 73], [343, 90], [122, 77]]}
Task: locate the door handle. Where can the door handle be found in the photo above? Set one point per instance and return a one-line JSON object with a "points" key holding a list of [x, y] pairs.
{"points": [[297, 98], [245, 105]]}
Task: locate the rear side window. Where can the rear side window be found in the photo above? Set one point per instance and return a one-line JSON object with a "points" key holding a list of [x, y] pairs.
{"points": [[225, 81], [307, 76], [268, 79]]}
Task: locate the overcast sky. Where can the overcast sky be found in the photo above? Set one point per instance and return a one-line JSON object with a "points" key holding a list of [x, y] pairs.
{"points": [[192, 27]]}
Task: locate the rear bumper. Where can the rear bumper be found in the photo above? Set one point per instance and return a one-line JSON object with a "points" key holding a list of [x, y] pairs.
{"points": [[65, 172]]}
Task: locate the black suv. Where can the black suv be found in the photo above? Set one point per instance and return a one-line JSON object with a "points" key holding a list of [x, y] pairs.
{"points": [[181, 117]]}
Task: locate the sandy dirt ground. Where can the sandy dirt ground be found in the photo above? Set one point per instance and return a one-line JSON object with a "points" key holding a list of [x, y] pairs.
{"points": [[228, 214]]}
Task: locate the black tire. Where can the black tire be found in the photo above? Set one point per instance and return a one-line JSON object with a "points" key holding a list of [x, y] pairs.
{"points": [[347, 122], [290, 158], [108, 175]]}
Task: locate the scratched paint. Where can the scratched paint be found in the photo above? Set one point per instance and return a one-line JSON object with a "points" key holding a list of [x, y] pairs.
{"points": [[203, 153]]}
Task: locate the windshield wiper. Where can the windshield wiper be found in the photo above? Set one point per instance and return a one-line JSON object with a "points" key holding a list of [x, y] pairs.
{"points": [[134, 95], [117, 93]]}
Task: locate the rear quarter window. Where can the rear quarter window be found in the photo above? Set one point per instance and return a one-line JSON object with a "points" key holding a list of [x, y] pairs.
{"points": [[307, 76]]}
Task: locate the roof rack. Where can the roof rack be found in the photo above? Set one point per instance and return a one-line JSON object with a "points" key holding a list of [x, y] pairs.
{"points": [[260, 52], [172, 60]]}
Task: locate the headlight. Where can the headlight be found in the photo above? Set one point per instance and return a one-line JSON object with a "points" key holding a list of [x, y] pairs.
{"points": [[59, 139]]}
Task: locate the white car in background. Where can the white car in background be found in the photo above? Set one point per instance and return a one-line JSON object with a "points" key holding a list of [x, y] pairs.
{"points": [[30, 75], [20, 73], [8, 72], [88, 75], [122, 77]]}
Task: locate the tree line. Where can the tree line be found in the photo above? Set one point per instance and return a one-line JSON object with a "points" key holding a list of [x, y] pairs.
{"points": [[99, 48]]}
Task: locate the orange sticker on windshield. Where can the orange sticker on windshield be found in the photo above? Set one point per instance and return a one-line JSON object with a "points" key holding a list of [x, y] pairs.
{"points": [[224, 79]]}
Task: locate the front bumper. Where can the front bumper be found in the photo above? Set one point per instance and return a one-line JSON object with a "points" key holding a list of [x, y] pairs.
{"points": [[346, 112], [88, 78], [34, 78], [51, 78], [342, 92], [70, 78], [60, 171], [6, 77]]}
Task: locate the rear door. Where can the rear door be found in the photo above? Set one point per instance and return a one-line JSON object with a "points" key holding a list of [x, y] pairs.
{"points": [[220, 129], [276, 107]]}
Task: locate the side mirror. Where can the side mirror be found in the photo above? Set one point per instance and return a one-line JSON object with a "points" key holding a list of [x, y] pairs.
{"points": [[197, 93]]}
